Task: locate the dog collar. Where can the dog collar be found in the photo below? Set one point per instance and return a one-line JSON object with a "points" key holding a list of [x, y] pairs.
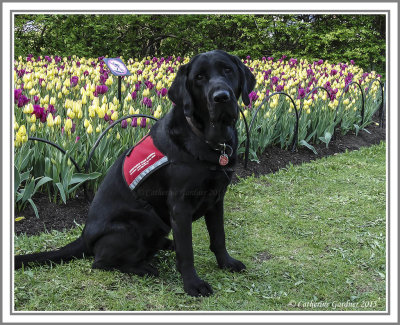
{"points": [[222, 147]]}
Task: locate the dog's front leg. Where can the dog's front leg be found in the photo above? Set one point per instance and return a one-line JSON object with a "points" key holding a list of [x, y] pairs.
{"points": [[181, 222], [215, 225]]}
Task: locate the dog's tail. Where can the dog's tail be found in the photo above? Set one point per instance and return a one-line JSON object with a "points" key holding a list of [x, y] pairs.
{"points": [[76, 249]]}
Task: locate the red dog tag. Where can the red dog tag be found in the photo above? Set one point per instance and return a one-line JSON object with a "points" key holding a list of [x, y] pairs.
{"points": [[223, 159]]}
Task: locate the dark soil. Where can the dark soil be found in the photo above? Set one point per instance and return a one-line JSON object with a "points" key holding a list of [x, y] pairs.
{"points": [[59, 216]]}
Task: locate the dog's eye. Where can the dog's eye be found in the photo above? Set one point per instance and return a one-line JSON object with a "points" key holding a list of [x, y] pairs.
{"points": [[227, 70], [200, 76]]}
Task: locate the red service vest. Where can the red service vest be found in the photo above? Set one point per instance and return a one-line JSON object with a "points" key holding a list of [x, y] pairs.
{"points": [[141, 161]]}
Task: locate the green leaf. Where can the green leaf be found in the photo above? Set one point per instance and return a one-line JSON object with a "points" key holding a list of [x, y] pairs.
{"points": [[62, 192], [44, 180], [24, 162], [309, 146], [79, 177], [90, 176], [34, 208], [357, 128], [17, 179], [24, 176], [311, 135], [28, 190]]}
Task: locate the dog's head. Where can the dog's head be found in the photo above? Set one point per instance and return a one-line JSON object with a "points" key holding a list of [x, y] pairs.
{"points": [[208, 88]]}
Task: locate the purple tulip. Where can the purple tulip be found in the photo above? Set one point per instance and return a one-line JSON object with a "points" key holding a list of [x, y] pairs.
{"points": [[134, 122], [21, 73], [274, 80], [352, 62], [333, 72], [86, 73], [147, 102], [134, 95], [38, 111], [73, 128], [101, 89], [74, 81], [149, 85], [23, 100], [143, 123], [270, 58], [124, 124], [253, 96], [77, 139], [164, 92], [17, 94], [279, 87], [51, 109], [302, 93], [43, 118], [106, 117]]}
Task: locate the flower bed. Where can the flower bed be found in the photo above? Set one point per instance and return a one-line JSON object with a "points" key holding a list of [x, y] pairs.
{"points": [[70, 101]]}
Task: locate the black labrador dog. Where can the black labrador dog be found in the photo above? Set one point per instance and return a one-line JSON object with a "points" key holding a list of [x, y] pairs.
{"points": [[197, 141]]}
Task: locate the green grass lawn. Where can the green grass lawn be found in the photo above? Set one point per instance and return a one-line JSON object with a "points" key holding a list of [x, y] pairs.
{"points": [[313, 237]]}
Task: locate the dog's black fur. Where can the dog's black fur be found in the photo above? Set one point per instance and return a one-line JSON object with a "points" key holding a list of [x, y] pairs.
{"points": [[125, 228]]}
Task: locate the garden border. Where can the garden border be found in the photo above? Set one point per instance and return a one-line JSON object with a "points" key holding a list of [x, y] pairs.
{"points": [[248, 128]]}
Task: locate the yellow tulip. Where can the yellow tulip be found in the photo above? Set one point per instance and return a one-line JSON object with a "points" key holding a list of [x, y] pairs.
{"points": [[22, 130], [57, 120], [70, 113], [68, 125], [33, 128], [109, 81], [50, 120], [86, 123], [114, 116], [115, 101], [89, 129]]}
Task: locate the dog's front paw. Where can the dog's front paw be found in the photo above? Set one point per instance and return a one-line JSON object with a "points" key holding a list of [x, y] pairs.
{"points": [[197, 288], [232, 265]]}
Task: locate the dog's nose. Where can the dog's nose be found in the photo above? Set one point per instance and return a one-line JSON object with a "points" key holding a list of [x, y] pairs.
{"points": [[221, 96]]}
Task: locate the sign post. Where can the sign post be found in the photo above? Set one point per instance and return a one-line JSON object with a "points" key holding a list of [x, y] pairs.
{"points": [[117, 68]]}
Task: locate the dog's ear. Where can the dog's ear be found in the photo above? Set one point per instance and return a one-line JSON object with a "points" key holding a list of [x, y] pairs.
{"points": [[247, 80], [179, 93]]}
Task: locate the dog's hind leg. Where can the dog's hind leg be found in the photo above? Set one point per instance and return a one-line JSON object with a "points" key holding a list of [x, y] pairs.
{"points": [[119, 251]]}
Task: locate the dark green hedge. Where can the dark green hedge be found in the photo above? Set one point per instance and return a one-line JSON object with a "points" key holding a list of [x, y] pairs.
{"points": [[338, 38]]}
